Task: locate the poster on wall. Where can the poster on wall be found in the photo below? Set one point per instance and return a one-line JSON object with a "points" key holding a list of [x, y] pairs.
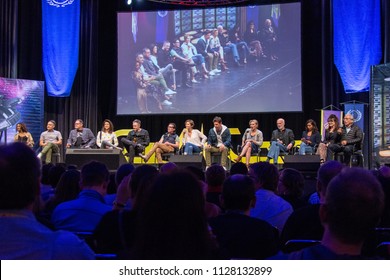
{"points": [[21, 101]]}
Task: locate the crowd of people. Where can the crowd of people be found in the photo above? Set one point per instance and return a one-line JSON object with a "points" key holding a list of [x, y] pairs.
{"points": [[196, 59], [58, 212]]}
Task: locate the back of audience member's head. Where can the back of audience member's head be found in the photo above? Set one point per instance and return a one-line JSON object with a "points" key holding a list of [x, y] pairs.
{"points": [[266, 175], [20, 172], [353, 205], [55, 174], [291, 182], [138, 175], [143, 191], [123, 171], [68, 187], [111, 187], [325, 174], [197, 172], [239, 168], [45, 179], [215, 175], [384, 178], [168, 167], [172, 224], [94, 174], [238, 193]]}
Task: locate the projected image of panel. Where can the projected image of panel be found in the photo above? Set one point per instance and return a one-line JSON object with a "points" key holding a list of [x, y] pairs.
{"points": [[219, 60]]}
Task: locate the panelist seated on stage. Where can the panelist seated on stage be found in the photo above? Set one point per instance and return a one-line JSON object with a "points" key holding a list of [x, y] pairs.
{"points": [[193, 140], [169, 143], [80, 137], [106, 138], [282, 140], [351, 139], [50, 141], [310, 138], [218, 141], [251, 142], [136, 141]]}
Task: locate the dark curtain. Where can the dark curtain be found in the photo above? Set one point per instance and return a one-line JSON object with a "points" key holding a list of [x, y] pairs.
{"points": [[93, 96]]}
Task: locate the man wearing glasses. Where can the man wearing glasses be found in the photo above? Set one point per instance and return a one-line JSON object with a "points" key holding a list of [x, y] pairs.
{"points": [[351, 139], [81, 137], [168, 143]]}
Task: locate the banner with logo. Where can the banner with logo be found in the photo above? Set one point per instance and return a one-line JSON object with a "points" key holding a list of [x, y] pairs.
{"points": [[357, 111], [324, 119], [60, 44]]}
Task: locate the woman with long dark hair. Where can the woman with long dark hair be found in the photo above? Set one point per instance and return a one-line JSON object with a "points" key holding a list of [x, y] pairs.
{"points": [[22, 135], [332, 136]]}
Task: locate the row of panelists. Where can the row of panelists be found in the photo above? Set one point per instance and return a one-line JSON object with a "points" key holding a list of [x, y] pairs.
{"points": [[346, 139]]}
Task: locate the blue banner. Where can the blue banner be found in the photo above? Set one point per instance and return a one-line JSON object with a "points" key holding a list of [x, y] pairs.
{"points": [[60, 44], [357, 111], [356, 42]]}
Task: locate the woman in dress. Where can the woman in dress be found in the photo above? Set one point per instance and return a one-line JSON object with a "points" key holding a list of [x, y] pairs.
{"points": [[106, 138], [310, 138], [332, 135], [193, 140], [251, 142], [22, 135]]}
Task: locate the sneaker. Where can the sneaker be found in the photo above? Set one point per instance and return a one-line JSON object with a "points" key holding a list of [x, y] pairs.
{"points": [[39, 155], [170, 92], [217, 71], [211, 73], [166, 102], [195, 81]]}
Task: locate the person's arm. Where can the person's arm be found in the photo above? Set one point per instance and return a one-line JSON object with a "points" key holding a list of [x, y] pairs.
{"points": [[317, 139], [274, 136], [115, 139], [71, 138], [30, 140], [358, 136], [244, 137], [228, 139], [146, 140], [59, 139], [259, 138], [99, 139], [91, 138]]}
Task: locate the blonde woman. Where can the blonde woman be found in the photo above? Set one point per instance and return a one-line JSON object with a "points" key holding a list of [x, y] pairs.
{"points": [[251, 141]]}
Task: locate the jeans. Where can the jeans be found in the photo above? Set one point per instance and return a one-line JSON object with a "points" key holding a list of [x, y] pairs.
{"points": [[189, 149], [275, 150]]}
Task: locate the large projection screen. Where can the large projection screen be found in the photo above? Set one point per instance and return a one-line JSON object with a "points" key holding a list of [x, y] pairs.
{"points": [[267, 82]]}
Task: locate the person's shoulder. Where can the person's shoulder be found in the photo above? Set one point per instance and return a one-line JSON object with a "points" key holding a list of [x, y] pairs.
{"points": [[68, 246]]}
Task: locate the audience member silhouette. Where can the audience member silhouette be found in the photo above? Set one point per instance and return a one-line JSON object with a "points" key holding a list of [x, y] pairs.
{"points": [[351, 209], [215, 176], [241, 236], [269, 206], [21, 235], [84, 213], [115, 231], [172, 223], [238, 168], [291, 187], [304, 223]]}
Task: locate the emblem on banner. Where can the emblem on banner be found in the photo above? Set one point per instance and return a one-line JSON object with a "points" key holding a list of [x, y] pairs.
{"points": [[59, 3], [357, 115]]}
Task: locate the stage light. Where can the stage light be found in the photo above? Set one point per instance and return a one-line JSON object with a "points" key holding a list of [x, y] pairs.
{"points": [[129, 2]]}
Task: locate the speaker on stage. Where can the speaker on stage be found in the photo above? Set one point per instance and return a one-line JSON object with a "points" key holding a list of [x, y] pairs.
{"points": [[304, 163], [188, 160], [111, 158]]}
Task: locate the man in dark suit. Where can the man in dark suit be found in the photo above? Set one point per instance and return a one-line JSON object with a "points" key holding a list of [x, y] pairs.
{"points": [[351, 139]]}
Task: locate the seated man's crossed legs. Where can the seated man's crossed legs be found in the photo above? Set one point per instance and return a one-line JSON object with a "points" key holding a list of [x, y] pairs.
{"points": [[158, 148]]}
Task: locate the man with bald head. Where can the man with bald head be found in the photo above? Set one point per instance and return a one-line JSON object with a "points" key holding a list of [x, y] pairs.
{"points": [[282, 140], [351, 140]]}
